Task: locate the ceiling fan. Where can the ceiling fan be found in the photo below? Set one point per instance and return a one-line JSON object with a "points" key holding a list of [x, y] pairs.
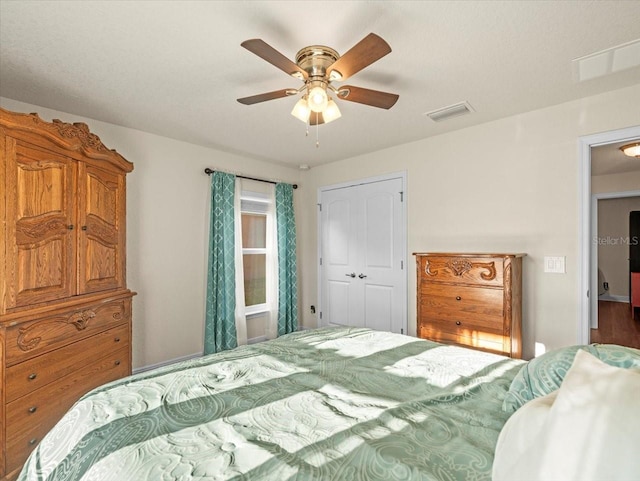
{"points": [[318, 66]]}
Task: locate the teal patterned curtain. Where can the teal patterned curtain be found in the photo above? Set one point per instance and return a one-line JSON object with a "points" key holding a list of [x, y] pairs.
{"points": [[220, 323], [287, 275]]}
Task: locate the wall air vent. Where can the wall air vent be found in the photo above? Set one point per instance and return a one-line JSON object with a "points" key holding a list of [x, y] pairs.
{"points": [[455, 110]]}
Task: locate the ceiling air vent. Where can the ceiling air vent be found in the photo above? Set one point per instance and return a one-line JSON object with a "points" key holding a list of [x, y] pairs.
{"points": [[455, 110]]}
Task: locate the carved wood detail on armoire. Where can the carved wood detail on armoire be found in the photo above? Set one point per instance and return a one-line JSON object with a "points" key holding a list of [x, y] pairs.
{"points": [[473, 300], [65, 310]]}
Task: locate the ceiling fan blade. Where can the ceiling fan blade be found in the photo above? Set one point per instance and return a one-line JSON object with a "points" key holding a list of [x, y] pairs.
{"points": [[271, 55], [316, 118], [364, 53], [276, 94], [375, 98]]}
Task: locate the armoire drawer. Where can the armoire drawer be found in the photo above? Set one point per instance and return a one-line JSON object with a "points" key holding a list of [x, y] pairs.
{"points": [[23, 378], [481, 271], [30, 417], [30, 339]]}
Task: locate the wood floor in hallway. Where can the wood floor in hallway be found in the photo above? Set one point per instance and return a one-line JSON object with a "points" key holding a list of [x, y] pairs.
{"points": [[616, 325]]}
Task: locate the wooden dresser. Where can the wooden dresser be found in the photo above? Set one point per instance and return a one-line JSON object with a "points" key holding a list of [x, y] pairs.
{"points": [[474, 300], [65, 310]]}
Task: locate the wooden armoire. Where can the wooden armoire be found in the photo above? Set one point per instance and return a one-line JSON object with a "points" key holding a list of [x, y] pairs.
{"points": [[65, 310]]}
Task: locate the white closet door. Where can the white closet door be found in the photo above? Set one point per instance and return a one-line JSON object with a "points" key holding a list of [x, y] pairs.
{"points": [[363, 280]]}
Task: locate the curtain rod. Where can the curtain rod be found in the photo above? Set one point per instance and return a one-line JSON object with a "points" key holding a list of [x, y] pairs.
{"points": [[209, 171]]}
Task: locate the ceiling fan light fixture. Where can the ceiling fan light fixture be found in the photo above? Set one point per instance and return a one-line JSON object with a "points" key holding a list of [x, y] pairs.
{"points": [[301, 110], [318, 66], [318, 98], [332, 112], [631, 150]]}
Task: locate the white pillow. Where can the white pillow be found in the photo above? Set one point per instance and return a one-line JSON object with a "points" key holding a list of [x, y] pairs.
{"points": [[588, 430]]}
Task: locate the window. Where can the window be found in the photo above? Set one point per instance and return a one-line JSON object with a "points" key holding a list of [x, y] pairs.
{"points": [[254, 209]]}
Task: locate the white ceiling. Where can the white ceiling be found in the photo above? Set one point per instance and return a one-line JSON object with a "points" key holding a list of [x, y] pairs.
{"points": [[176, 68], [609, 159]]}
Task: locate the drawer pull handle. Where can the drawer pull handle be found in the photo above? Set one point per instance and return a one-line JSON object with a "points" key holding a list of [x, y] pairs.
{"points": [[70, 227], [117, 363], [117, 339], [33, 441], [32, 376], [458, 298], [458, 323], [33, 409], [84, 227]]}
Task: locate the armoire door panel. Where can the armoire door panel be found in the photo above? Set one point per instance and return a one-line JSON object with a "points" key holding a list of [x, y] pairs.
{"points": [[33, 272], [101, 236], [41, 237], [102, 193]]}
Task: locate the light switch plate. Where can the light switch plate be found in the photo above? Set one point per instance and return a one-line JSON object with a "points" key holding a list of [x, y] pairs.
{"points": [[555, 264]]}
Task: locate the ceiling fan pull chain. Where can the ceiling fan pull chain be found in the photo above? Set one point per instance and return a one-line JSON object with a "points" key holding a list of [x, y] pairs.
{"points": [[317, 132]]}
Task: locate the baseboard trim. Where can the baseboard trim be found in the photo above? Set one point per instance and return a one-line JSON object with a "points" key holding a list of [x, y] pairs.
{"points": [[253, 340], [613, 298], [166, 363]]}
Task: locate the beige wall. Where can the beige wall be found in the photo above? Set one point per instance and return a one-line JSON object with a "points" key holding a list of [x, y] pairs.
{"points": [[615, 182], [167, 225], [505, 186], [613, 242]]}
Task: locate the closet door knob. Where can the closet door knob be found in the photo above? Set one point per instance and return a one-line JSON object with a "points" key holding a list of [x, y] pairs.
{"points": [[362, 276], [353, 274]]}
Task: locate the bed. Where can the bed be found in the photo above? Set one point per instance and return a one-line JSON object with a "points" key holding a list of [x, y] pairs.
{"points": [[325, 404]]}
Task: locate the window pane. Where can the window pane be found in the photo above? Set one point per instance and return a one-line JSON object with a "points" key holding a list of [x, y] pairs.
{"points": [[255, 279], [254, 231]]}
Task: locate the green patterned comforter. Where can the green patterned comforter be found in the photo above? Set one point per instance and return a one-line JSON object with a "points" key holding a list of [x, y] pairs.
{"points": [[328, 404]]}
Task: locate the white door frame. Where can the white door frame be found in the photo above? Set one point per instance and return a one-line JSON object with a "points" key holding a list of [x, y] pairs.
{"points": [[594, 247], [403, 176], [585, 275]]}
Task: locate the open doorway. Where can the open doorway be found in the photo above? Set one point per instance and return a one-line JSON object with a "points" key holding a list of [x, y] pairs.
{"points": [[615, 224], [606, 174]]}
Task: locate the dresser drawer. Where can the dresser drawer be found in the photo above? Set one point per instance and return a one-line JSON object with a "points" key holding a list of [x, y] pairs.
{"points": [[481, 306], [482, 271], [30, 375], [488, 341], [30, 339], [30, 417]]}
